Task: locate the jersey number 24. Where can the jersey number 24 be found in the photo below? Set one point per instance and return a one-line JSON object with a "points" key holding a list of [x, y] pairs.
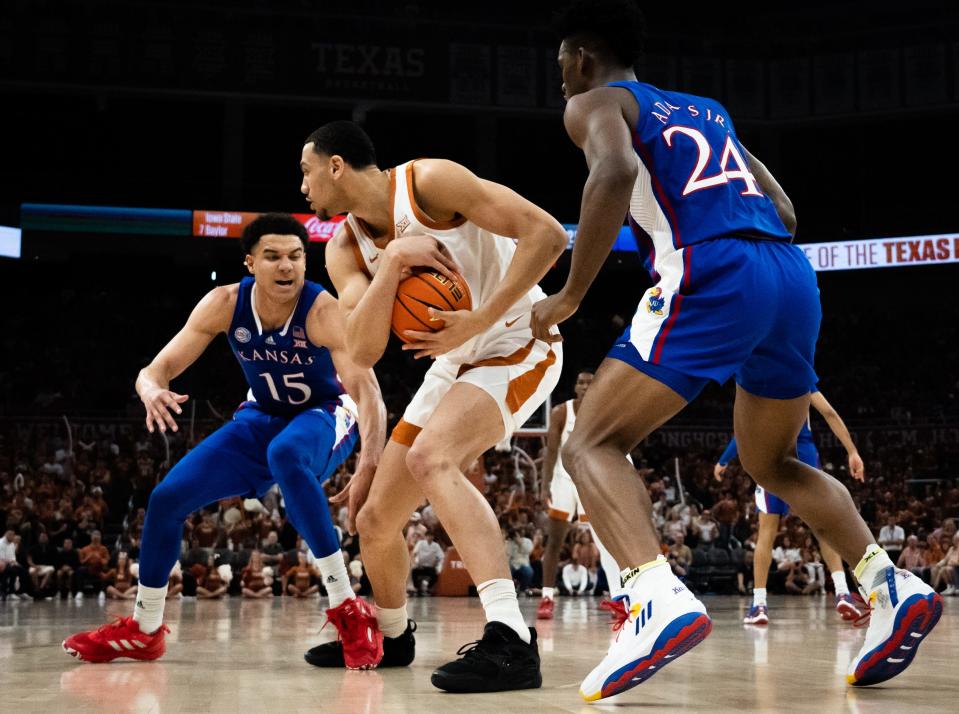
{"points": [[697, 181]]}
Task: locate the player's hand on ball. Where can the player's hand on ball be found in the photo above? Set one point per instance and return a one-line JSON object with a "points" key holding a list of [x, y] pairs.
{"points": [[458, 327], [422, 251], [158, 403], [551, 311], [856, 468], [355, 492]]}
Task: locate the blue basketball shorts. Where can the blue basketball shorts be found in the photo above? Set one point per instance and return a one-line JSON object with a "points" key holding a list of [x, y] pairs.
{"points": [[729, 307]]}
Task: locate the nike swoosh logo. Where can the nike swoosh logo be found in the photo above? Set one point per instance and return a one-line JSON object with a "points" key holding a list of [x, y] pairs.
{"points": [[374, 258], [512, 322]]}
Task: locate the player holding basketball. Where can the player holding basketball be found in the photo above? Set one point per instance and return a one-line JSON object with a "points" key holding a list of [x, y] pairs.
{"points": [[732, 297], [297, 426], [488, 376], [771, 509], [559, 492]]}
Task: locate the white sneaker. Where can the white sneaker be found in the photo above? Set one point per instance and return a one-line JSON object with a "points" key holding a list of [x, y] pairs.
{"points": [[102, 597], [757, 615], [649, 635], [78, 596], [950, 590], [904, 611]]}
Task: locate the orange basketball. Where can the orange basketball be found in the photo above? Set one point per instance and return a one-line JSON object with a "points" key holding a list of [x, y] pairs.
{"points": [[421, 291]]}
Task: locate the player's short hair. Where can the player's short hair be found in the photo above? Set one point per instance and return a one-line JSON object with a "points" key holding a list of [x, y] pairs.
{"points": [[281, 224], [616, 26], [346, 139]]}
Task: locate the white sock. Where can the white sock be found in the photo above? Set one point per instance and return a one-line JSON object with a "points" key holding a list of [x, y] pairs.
{"points": [[148, 611], [759, 596], [335, 578], [839, 582], [873, 562], [610, 567], [549, 593], [500, 604], [392, 620]]}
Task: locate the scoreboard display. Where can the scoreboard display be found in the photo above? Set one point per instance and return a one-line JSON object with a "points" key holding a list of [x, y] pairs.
{"points": [[230, 224]]}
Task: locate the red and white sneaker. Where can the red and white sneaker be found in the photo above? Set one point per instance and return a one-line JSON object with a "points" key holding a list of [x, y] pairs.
{"points": [[846, 607], [356, 626], [545, 609], [864, 608], [120, 638]]}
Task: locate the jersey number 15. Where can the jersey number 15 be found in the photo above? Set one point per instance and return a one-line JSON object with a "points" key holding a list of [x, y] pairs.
{"points": [[288, 381]]}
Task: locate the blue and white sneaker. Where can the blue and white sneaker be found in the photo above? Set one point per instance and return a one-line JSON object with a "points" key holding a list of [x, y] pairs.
{"points": [[757, 615], [904, 611], [649, 635]]}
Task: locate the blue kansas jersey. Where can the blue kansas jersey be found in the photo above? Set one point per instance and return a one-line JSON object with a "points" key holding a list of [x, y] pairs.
{"points": [[286, 373], [694, 183]]}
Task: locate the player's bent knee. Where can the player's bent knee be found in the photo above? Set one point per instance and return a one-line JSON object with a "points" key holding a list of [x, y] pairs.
{"points": [[424, 461], [576, 454], [283, 454], [165, 502], [375, 522]]}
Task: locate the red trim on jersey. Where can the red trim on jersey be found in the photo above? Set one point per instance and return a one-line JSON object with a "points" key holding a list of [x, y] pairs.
{"points": [[658, 188], [643, 238], [687, 271], [670, 321]]}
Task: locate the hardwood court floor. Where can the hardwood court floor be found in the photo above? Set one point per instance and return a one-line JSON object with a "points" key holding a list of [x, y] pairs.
{"points": [[235, 655]]}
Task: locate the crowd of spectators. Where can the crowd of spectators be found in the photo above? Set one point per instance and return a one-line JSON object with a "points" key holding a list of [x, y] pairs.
{"points": [[72, 504], [73, 516]]}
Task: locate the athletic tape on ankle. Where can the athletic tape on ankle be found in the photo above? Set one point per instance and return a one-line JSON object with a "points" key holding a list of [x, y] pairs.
{"points": [[871, 552], [633, 572]]}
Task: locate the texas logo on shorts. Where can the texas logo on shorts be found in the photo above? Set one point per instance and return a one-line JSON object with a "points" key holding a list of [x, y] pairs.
{"points": [[655, 303]]}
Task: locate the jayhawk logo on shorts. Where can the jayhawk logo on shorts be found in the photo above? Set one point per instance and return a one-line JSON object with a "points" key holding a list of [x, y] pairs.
{"points": [[655, 303]]}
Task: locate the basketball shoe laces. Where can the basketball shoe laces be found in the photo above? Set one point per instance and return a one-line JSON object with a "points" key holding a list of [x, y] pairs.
{"points": [[121, 622], [619, 615], [478, 652], [865, 606]]}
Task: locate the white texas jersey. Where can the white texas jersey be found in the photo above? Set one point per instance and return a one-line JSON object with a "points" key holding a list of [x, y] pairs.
{"points": [[560, 470], [483, 256]]}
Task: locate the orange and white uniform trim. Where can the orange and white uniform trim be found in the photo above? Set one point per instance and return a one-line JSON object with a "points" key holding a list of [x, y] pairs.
{"points": [[564, 503], [518, 371]]}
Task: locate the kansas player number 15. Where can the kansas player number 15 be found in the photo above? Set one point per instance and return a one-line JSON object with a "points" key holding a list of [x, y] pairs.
{"points": [[301, 387]]}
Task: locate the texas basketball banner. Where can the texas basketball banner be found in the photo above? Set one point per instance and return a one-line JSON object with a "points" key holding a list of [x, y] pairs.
{"points": [[883, 252]]}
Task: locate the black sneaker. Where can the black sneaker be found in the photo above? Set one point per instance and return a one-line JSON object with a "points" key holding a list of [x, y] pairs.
{"points": [[499, 662], [397, 651]]}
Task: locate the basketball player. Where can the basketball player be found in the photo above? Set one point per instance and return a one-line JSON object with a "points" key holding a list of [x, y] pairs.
{"points": [[771, 509], [489, 374], [297, 426], [732, 297], [564, 505]]}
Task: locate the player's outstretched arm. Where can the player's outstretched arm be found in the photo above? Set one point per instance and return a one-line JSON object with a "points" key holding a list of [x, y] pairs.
{"points": [[771, 187], [838, 426], [595, 122], [446, 189], [212, 315], [327, 327]]}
